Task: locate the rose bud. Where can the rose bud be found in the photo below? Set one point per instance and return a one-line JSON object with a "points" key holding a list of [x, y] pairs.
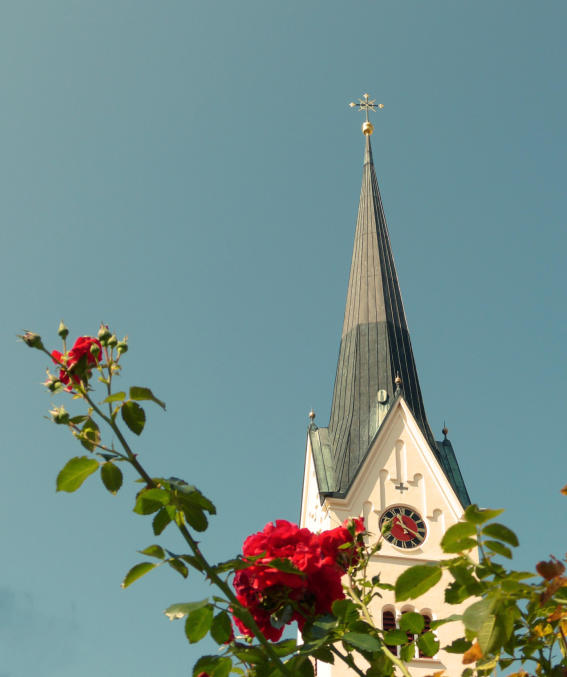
{"points": [[112, 341], [63, 331], [53, 384], [60, 415], [103, 334], [95, 350], [32, 340], [122, 346]]}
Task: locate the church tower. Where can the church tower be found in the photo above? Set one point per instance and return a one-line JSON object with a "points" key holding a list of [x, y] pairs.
{"points": [[378, 457]]}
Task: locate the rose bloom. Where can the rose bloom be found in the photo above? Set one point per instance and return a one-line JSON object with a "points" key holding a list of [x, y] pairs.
{"points": [[71, 360], [319, 561]]}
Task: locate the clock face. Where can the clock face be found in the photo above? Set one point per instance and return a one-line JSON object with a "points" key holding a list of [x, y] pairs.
{"points": [[408, 528]]}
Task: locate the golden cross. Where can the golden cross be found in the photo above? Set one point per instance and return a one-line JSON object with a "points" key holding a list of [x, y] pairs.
{"points": [[366, 104]]}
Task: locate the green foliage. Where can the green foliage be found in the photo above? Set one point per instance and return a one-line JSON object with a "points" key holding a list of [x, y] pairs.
{"points": [[416, 581], [221, 628], [153, 551], [412, 622], [214, 666], [138, 393], [133, 416], [111, 476], [198, 623], [116, 397], [136, 572], [75, 472], [181, 610]]}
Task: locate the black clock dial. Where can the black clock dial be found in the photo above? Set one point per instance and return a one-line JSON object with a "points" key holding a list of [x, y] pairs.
{"points": [[407, 527]]}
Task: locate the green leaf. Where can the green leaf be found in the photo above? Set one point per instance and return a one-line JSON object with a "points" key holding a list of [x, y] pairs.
{"points": [[407, 652], [178, 565], [487, 634], [190, 495], [133, 416], [487, 664], [458, 646], [161, 520], [499, 548], [285, 647], [417, 580], [235, 564], [198, 623], [214, 666], [476, 614], [137, 571], [139, 393], [502, 533], [149, 501], [324, 654], [460, 546], [223, 667], [412, 622], [394, 637], [441, 621], [180, 610], [75, 472], [428, 644], [196, 518], [457, 533], [286, 566], [345, 610], [153, 551], [300, 666], [111, 476], [323, 625], [90, 435], [221, 628], [475, 515], [116, 397]]}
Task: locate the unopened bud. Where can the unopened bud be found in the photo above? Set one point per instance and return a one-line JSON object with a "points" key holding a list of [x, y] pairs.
{"points": [[32, 340], [52, 383], [113, 341], [60, 415], [95, 349], [63, 331], [122, 346], [103, 334]]}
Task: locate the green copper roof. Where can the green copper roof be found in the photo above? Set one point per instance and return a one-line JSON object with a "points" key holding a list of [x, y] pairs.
{"points": [[375, 348]]}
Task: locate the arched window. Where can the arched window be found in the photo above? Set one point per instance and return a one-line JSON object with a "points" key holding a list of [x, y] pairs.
{"points": [[389, 623], [426, 628]]}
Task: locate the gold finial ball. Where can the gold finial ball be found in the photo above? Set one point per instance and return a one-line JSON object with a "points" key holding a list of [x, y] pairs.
{"points": [[312, 415], [367, 128], [398, 380], [445, 430]]}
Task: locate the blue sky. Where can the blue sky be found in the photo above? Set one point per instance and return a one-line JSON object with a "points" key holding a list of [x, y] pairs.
{"points": [[189, 173]]}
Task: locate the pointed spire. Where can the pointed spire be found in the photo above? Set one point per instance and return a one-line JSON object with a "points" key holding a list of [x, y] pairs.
{"points": [[375, 350]]}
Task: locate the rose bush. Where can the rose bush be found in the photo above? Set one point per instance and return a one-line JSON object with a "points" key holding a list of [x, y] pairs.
{"points": [[318, 580]]}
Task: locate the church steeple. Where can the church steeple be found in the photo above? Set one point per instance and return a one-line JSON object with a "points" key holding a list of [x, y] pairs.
{"points": [[375, 343], [376, 363]]}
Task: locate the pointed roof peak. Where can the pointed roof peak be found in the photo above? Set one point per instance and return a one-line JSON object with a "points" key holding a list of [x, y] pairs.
{"points": [[376, 366], [368, 159], [375, 358]]}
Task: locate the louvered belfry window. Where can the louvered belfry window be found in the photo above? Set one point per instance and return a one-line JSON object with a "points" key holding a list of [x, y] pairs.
{"points": [[426, 628], [389, 623]]}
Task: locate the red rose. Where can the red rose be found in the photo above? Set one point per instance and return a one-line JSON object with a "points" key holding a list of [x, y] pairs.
{"points": [[78, 361], [318, 563]]}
